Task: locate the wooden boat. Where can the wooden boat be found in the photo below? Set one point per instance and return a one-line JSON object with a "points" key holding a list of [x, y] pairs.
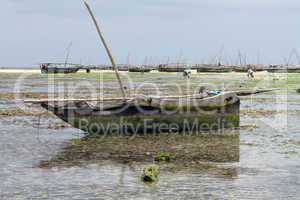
{"points": [[55, 68], [142, 115], [140, 69], [245, 68], [146, 114], [259, 67], [240, 68], [212, 68], [284, 69], [122, 67], [172, 68]]}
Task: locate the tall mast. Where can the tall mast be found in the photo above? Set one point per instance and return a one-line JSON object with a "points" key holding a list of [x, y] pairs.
{"points": [[128, 60], [107, 49], [240, 57], [68, 53], [220, 56]]}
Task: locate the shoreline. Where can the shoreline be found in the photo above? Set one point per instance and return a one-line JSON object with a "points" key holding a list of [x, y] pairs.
{"points": [[16, 70], [38, 71]]}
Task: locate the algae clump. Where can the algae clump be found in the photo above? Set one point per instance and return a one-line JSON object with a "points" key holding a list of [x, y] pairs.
{"points": [[163, 157], [150, 173]]}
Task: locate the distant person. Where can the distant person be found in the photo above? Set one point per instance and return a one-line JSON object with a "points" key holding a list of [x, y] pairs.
{"points": [[203, 91], [250, 73], [44, 66], [186, 74]]}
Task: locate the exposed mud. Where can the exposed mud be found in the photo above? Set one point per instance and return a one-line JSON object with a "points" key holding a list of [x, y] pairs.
{"points": [[182, 149], [43, 158]]}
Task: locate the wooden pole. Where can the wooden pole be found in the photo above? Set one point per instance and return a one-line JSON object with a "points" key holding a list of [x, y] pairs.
{"points": [[107, 49]]}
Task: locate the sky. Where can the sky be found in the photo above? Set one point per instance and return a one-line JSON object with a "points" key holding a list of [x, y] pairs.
{"points": [[149, 31]]}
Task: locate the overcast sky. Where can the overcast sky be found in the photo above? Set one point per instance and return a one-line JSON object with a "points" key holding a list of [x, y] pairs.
{"points": [[193, 31]]}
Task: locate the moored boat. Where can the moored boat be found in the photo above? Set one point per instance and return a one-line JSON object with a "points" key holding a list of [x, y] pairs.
{"points": [[55, 68], [143, 115], [284, 69], [212, 68], [172, 68], [142, 69]]}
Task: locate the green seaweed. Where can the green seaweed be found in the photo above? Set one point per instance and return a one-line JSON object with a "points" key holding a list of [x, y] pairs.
{"points": [[150, 173], [162, 157], [76, 142], [182, 149]]}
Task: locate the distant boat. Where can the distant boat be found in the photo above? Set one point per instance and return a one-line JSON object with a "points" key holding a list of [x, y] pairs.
{"points": [[254, 67], [172, 67], [284, 69], [212, 68], [142, 69], [56, 68]]}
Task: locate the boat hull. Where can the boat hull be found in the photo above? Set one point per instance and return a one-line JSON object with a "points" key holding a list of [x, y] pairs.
{"points": [[172, 69], [284, 70], [139, 118], [139, 70], [214, 70], [59, 70]]}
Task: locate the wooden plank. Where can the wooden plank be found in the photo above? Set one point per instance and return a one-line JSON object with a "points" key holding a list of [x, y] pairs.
{"points": [[106, 99], [239, 93], [251, 92], [70, 100]]}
